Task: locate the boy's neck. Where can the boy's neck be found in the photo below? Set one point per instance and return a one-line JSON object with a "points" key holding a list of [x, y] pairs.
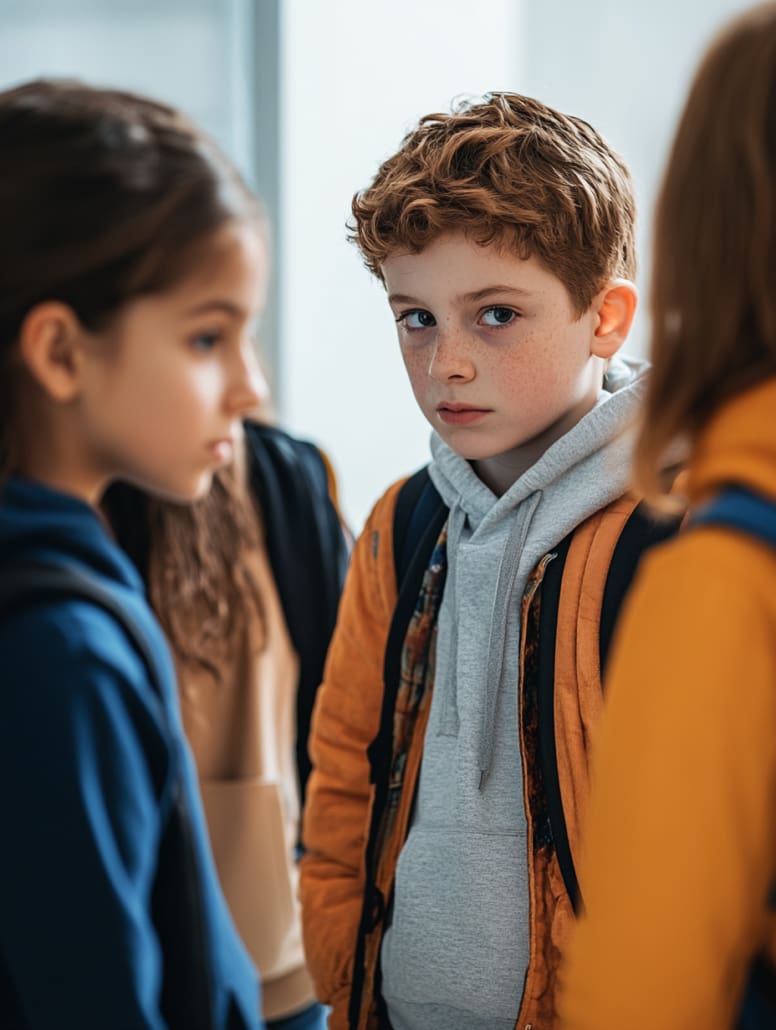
{"points": [[500, 471]]}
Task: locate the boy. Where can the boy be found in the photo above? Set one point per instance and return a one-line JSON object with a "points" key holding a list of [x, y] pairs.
{"points": [[503, 233]]}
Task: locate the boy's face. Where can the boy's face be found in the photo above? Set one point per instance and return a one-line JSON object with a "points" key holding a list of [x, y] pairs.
{"points": [[495, 353]]}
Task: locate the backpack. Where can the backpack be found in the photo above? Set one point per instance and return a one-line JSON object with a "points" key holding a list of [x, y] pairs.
{"points": [[599, 559], [176, 902], [418, 520], [740, 509]]}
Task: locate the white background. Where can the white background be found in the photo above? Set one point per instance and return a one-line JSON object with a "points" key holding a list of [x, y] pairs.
{"points": [[352, 77]]}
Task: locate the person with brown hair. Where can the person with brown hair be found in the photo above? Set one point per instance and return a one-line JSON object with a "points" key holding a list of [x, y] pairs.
{"points": [[132, 267], [680, 846], [246, 584], [432, 891]]}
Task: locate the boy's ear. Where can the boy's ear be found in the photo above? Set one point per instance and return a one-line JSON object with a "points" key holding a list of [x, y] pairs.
{"points": [[51, 347], [616, 306]]}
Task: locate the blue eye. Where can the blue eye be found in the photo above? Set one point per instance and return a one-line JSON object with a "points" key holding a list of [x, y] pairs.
{"points": [[415, 320], [498, 316], [206, 341]]}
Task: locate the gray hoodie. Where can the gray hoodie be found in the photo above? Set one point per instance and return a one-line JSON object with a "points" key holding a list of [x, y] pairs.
{"points": [[456, 952]]}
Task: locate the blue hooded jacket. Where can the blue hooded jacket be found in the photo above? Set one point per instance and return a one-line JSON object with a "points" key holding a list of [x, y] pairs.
{"points": [[89, 757]]}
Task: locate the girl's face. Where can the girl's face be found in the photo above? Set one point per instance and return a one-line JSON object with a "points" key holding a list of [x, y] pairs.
{"points": [[165, 387]]}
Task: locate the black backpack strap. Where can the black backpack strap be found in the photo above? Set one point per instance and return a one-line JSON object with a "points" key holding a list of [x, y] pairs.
{"points": [[418, 505], [418, 519], [307, 553], [548, 758], [641, 532], [758, 1006], [758, 1009], [176, 903]]}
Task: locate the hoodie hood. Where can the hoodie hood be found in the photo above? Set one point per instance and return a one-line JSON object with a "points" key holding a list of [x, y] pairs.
{"points": [[494, 542], [39, 522]]}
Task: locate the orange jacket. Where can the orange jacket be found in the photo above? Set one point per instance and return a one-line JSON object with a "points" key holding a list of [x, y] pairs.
{"points": [[681, 852], [346, 720]]}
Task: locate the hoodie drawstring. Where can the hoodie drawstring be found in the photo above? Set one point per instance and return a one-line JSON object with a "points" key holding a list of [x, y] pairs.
{"points": [[449, 720], [499, 616]]}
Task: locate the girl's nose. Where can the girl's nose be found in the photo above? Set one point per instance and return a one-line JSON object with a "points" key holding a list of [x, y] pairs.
{"points": [[249, 392]]}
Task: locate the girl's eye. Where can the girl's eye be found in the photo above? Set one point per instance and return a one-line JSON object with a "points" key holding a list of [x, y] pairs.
{"points": [[498, 315], [414, 320], [206, 341]]}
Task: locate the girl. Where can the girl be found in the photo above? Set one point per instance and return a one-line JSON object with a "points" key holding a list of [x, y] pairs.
{"points": [[681, 854], [246, 584], [132, 266]]}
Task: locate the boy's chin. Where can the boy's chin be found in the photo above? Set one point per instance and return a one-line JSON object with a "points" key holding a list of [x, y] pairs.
{"points": [[474, 451]]}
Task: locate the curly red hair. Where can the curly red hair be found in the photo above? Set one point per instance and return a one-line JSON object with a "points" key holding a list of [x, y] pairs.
{"points": [[511, 171]]}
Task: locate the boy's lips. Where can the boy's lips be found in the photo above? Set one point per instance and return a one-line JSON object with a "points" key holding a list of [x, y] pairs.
{"points": [[460, 414]]}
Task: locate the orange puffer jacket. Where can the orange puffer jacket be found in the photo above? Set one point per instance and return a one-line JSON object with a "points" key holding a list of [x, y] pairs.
{"points": [[342, 915]]}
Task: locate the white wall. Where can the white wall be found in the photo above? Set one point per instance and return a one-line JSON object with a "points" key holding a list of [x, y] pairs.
{"points": [[624, 67], [356, 75], [186, 52]]}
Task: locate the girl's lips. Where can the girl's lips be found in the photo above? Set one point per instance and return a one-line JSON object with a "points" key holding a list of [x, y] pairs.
{"points": [[458, 416], [222, 450]]}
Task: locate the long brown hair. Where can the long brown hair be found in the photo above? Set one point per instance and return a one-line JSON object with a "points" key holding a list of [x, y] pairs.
{"points": [[713, 293], [192, 558], [200, 586], [106, 196]]}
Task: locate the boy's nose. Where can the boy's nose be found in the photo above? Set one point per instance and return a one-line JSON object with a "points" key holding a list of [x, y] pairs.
{"points": [[450, 359]]}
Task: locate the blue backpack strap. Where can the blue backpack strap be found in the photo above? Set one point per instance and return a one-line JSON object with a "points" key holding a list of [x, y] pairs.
{"points": [[739, 508], [178, 915], [26, 582]]}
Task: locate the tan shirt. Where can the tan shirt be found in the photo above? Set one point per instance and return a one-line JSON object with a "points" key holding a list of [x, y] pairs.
{"points": [[242, 731]]}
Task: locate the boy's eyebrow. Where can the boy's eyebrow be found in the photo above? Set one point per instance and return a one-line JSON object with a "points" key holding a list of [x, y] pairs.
{"points": [[403, 298], [480, 294]]}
